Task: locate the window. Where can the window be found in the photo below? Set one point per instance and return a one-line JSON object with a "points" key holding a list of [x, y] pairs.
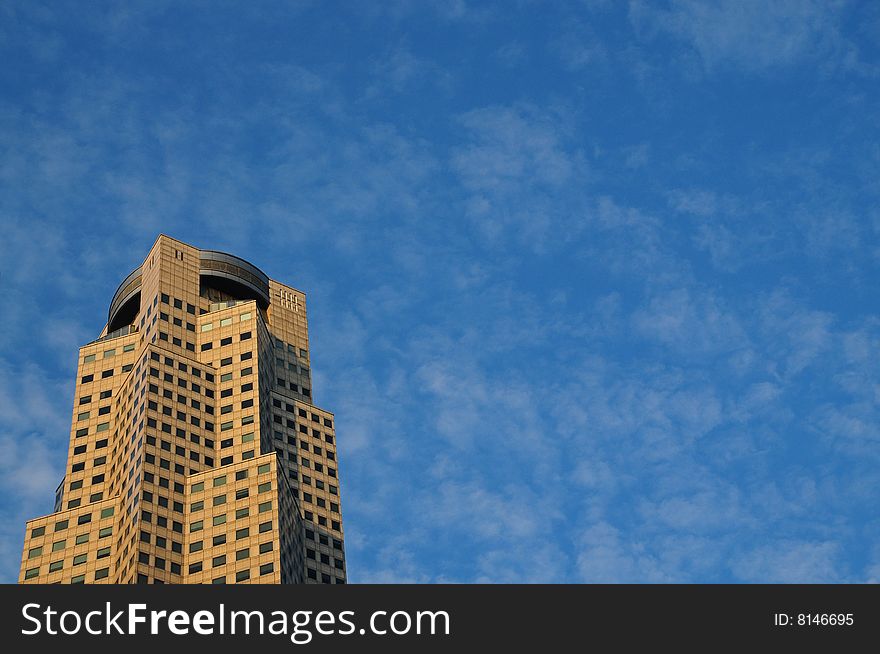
{"points": [[218, 561], [80, 559], [57, 565], [242, 575], [34, 552], [195, 567], [103, 573], [197, 488], [30, 574], [266, 568], [242, 533], [240, 555]]}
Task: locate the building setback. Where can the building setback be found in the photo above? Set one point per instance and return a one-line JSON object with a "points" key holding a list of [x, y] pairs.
{"points": [[196, 453]]}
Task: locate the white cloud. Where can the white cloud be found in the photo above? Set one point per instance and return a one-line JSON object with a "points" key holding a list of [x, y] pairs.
{"points": [[749, 34], [790, 561]]}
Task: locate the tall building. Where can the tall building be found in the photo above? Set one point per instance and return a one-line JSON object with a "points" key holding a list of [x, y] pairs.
{"points": [[196, 452]]}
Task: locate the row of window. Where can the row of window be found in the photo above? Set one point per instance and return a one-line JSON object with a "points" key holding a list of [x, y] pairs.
{"points": [[182, 366], [177, 303], [61, 525], [103, 573], [240, 534], [107, 354], [220, 480], [302, 413], [224, 322], [105, 374], [220, 519], [177, 322], [311, 573], [320, 450], [324, 558], [283, 383], [59, 545], [280, 364], [290, 348], [323, 539], [244, 336], [103, 395], [335, 525]]}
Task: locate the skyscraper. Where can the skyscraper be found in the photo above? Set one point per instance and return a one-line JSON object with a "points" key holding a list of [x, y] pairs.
{"points": [[196, 452]]}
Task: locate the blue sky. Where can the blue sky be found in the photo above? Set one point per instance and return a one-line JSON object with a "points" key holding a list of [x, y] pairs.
{"points": [[592, 285]]}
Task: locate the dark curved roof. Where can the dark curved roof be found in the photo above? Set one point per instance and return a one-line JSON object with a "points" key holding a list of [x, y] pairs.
{"points": [[211, 264]]}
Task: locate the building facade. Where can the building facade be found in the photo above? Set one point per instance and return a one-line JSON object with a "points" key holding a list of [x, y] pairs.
{"points": [[196, 452]]}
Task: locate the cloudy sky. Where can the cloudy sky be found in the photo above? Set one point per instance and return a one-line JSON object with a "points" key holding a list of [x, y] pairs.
{"points": [[592, 285]]}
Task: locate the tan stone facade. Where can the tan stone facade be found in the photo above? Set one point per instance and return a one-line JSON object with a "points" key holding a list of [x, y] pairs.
{"points": [[196, 454]]}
